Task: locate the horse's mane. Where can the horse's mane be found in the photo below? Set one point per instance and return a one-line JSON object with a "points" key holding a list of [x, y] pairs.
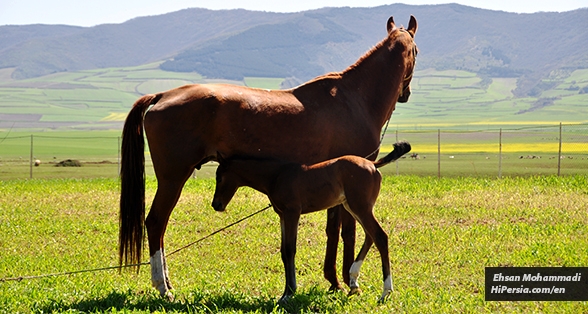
{"points": [[375, 48], [338, 75]]}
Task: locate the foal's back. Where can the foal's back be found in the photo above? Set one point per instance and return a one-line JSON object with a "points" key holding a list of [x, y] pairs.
{"points": [[326, 184]]}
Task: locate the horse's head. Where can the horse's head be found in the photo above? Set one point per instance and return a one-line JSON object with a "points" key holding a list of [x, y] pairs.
{"points": [[409, 55], [226, 184]]}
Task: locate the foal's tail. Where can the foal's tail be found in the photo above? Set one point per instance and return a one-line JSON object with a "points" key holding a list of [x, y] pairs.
{"points": [[132, 177], [400, 149]]}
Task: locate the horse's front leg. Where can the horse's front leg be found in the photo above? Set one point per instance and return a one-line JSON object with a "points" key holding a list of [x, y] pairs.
{"points": [[289, 228]]}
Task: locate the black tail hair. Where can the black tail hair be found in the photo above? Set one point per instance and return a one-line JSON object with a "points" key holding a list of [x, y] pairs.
{"points": [[400, 149]]}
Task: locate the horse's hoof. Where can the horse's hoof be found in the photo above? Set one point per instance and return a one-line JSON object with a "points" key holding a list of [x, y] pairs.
{"points": [[167, 296], [336, 288], [354, 291], [284, 299]]}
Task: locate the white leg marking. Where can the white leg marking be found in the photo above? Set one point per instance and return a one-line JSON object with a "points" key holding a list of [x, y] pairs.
{"points": [[387, 288], [165, 271], [158, 274], [354, 274]]}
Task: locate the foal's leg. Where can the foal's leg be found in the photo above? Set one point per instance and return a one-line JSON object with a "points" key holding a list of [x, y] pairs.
{"points": [[289, 227], [355, 268], [166, 197], [363, 212], [380, 238]]}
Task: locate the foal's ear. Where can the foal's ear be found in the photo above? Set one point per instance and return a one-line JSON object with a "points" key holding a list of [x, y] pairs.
{"points": [[390, 25], [412, 25]]}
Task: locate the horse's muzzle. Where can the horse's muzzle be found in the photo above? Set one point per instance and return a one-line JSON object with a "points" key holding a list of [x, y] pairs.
{"points": [[404, 97], [218, 206]]}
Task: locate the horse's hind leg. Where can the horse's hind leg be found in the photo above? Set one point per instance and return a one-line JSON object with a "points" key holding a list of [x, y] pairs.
{"points": [[348, 236], [339, 220], [166, 197], [332, 231]]}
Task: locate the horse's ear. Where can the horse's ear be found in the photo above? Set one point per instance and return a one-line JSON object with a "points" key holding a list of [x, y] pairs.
{"points": [[412, 25], [390, 25]]}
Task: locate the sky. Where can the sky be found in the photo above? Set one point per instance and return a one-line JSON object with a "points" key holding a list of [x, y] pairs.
{"points": [[94, 12]]}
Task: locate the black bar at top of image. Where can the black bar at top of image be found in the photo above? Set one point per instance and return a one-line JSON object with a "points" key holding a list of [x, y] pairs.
{"points": [[536, 283]]}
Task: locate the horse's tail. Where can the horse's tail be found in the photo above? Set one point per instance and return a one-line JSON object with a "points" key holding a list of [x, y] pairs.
{"points": [[132, 177], [400, 149]]}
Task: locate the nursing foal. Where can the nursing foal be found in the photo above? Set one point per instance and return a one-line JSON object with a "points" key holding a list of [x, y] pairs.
{"points": [[296, 189]]}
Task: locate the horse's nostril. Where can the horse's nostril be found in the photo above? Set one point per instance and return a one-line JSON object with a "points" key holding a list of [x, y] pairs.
{"points": [[217, 205]]}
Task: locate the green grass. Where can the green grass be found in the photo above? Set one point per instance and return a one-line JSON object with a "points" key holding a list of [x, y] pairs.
{"points": [[443, 232]]}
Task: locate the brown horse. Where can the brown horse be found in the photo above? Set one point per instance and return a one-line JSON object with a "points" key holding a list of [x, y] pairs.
{"points": [[333, 115], [295, 189]]}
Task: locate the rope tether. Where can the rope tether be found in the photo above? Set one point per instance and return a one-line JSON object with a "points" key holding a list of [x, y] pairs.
{"points": [[20, 278]]}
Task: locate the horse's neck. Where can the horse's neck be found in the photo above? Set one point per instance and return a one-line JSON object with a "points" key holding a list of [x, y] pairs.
{"points": [[373, 83], [376, 80]]}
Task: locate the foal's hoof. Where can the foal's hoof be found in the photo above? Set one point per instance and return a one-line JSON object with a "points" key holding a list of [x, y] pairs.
{"points": [[354, 291], [384, 296]]}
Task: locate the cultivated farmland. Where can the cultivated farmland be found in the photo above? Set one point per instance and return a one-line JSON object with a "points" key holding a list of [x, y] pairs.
{"points": [[100, 99]]}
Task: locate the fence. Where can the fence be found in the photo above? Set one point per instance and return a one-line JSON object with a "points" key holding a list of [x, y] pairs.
{"points": [[546, 150]]}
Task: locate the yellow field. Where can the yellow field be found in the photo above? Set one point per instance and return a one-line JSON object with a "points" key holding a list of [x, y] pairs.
{"points": [[568, 148], [508, 124], [115, 116]]}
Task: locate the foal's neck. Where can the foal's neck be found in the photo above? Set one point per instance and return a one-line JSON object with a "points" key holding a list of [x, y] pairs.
{"points": [[260, 174]]}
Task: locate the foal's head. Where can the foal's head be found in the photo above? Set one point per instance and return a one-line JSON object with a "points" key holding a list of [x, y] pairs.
{"points": [[227, 183]]}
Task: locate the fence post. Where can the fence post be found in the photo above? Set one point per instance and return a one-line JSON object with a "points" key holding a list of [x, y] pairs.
{"points": [[439, 153], [500, 154], [559, 152], [397, 159], [31, 159], [118, 156]]}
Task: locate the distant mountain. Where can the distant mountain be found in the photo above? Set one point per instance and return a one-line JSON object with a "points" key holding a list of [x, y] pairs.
{"points": [[237, 43]]}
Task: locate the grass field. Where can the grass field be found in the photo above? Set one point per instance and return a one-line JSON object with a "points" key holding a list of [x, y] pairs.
{"points": [[443, 232]]}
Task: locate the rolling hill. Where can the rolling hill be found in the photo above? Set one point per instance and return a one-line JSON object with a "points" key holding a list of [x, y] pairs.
{"points": [[233, 44], [475, 67]]}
